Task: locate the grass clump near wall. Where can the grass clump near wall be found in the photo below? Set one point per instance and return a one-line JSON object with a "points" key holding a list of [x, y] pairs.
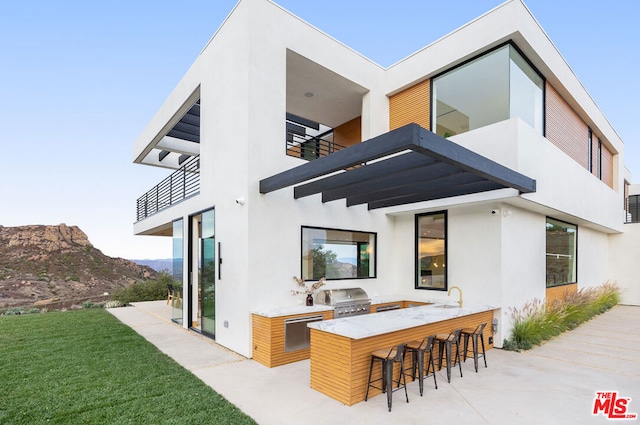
{"points": [[537, 322], [86, 367], [149, 290]]}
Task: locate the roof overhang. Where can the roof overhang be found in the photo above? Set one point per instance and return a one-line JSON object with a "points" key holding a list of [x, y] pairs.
{"points": [[406, 165]]}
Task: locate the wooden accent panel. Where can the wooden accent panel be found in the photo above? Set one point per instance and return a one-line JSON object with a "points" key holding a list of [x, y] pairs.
{"points": [[411, 105], [373, 307], [268, 339], [565, 129], [340, 365], [559, 292], [607, 166], [349, 133], [408, 304]]}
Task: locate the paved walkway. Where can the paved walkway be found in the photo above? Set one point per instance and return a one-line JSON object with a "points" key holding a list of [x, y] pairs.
{"points": [[552, 384]]}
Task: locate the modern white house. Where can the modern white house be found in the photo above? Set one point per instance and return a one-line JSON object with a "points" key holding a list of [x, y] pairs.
{"points": [[479, 161]]}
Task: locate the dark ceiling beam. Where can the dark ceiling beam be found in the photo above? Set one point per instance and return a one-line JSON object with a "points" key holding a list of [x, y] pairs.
{"points": [[387, 144], [187, 128], [431, 168], [385, 182], [443, 150], [450, 181], [184, 136], [191, 119], [481, 186], [372, 170], [162, 155], [303, 121], [182, 158]]}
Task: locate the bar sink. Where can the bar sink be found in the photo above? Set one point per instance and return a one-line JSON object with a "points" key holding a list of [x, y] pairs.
{"points": [[445, 306]]}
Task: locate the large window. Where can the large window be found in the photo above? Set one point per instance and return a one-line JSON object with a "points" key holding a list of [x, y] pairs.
{"points": [[337, 254], [562, 241], [494, 87], [431, 251]]}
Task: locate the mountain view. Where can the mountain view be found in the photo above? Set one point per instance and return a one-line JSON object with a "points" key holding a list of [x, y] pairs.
{"points": [[159, 265], [47, 264]]}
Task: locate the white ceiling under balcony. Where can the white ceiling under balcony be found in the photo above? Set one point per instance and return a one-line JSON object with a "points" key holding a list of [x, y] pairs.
{"points": [[318, 94]]}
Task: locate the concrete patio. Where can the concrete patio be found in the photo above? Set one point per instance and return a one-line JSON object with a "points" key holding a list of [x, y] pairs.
{"points": [[555, 383]]}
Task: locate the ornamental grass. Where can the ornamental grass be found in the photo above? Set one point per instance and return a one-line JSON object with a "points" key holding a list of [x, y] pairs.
{"points": [[536, 321]]}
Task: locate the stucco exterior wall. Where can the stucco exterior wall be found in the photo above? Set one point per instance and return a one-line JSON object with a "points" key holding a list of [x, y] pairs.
{"points": [[624, 251]]}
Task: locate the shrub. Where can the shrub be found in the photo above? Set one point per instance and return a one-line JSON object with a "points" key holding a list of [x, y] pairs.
{"points": [[113, 304], [91, 304], [535, 322], [149, 290]]}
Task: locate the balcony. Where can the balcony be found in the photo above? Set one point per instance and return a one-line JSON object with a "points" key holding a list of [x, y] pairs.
{"points": [[181, 184], [309, 140], [632, 209]]}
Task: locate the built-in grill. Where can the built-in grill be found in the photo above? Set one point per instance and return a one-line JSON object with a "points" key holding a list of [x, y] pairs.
{"points": [[346, 302]]}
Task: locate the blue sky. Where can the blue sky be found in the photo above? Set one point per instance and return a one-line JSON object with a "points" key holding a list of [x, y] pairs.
{"points": [[79, 80]]}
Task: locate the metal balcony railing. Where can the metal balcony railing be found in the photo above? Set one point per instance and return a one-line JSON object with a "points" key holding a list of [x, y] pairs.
{"points": [[632, 209], [183, 183], [305, 146]]}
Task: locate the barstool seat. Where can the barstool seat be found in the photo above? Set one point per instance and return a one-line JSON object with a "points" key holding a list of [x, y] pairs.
{"points": [[418, 349], [445, 344], [387, 358], [475, 335]]}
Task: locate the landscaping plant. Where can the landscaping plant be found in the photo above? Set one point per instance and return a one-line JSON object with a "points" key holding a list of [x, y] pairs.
{"points": [[149, 290], [536, 321]]}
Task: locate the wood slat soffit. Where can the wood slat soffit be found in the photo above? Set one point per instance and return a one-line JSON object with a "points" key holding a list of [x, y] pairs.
{"points": [[406, 165]]}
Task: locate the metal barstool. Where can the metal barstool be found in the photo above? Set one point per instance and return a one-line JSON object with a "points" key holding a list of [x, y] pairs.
{"points": [[445, 343], [418, 350], [474, 334], [388, 358]]}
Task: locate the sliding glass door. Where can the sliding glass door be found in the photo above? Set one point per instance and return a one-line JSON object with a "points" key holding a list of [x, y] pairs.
{"points": [[178, 265], [202, 276], [208, 273]]}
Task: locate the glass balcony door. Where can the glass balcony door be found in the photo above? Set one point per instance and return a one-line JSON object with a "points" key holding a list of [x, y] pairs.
{"points": [[202, 300]]}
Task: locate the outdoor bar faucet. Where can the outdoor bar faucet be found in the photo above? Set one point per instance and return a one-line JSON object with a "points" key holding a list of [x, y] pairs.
{"points": [[449, 294]]}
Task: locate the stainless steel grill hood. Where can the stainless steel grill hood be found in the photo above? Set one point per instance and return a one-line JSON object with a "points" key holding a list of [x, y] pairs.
{"points": [[337, 296], [346, 302]]}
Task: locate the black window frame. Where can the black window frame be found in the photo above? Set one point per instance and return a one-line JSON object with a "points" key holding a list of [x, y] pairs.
{"points": [[432, 112], [416, 265], [590, 151], [599, 158], [375, 252], [575, 281]]}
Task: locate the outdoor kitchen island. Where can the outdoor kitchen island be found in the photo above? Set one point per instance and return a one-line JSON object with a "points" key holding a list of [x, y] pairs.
{"points": [[341, 349]]}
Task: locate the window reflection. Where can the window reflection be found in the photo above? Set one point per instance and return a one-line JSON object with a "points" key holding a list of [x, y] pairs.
{"points": [[337, 254], [431, 251], [494, 87], [561, 252]]}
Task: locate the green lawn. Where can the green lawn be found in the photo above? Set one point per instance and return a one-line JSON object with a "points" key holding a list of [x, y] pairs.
{"points": [[86, 367]]}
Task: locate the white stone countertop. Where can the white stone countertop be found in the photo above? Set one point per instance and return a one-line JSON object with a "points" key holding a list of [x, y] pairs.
{"points": [[318, 308], [292, 310], [367, 325]]}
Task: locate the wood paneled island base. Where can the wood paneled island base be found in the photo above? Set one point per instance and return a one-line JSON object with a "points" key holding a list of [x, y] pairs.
{"points": [[340, 364]]}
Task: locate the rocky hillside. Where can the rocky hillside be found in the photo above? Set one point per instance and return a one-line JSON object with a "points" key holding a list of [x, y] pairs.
{"points": [[40, 264]]}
